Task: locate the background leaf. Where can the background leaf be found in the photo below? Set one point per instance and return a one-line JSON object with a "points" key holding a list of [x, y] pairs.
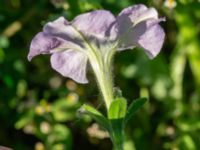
{"points": [[134, 106]]}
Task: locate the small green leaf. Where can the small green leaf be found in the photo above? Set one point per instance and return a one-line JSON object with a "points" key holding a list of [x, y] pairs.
{"points": [[117, 109], [135, 105], [96, 115]]}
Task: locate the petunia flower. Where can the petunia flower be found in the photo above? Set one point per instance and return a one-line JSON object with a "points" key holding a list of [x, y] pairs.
{"points": [[96, 36]]}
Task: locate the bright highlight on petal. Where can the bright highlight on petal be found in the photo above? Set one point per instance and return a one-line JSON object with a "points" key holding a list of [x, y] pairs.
{"points": [[137, 14], [95, 23]]}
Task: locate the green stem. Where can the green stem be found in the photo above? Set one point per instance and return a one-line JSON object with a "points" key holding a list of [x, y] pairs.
{"points": [[117, 137], [104, 79]]}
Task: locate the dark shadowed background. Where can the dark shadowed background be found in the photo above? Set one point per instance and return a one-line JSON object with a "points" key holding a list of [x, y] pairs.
{"points": [[38, 106]]}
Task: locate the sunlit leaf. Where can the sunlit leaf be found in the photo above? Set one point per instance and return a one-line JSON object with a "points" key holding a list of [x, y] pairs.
{"points": [[96, 115]]}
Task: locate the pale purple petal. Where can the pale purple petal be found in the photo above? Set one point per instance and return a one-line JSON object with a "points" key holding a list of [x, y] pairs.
{"points": [[130, 17], [42, 44], [152, 39], [56, 36], [148, 35], [70, 64], [63, 29], [96, 23], [56, 26], [5, 148], [136, 14], [138, 26]]}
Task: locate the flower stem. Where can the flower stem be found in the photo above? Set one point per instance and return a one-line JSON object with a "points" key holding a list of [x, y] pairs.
{"points": [[101, 69], [104, 79], [117, 138]]}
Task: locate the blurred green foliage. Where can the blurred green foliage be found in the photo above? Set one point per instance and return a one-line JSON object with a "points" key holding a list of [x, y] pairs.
{"points": [[38, 106]]}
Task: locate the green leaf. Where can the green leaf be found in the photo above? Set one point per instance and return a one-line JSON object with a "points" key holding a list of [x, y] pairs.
{"points": [[135, 105], [116, 114], [96, 115], [117, 109]]}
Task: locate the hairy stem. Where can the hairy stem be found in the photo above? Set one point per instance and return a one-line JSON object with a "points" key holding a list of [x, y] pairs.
{"points": [[103, 75]]}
